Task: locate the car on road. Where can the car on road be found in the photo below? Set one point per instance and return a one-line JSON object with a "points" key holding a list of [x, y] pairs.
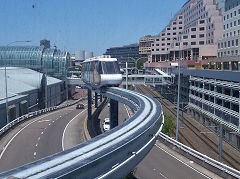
{"points": [[106, 124], [80, 106]]}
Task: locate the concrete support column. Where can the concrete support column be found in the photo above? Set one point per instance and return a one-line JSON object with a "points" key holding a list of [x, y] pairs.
{"points": [[89, 104], [96, 100], [113, 113]]}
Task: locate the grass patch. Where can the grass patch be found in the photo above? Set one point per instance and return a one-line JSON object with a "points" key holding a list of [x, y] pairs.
{"points": [[169, 126]]}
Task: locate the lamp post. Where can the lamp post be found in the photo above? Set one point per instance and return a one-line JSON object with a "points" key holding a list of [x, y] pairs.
{"points": [[177, 128], [5, 73]]}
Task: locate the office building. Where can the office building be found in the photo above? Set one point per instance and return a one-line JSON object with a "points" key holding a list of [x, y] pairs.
{"points": [[191, 35]]}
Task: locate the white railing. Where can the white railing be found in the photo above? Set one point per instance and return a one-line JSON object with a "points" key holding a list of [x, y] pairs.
{"points": [[202, 157]]}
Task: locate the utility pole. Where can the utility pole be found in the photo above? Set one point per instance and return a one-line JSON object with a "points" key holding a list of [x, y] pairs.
{"points": [[7, 110], [220, 141], [178, 94], [126, 75]]}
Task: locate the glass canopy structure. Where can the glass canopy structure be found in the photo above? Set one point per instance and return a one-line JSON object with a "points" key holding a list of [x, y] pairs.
{"points": [[50, 61]]}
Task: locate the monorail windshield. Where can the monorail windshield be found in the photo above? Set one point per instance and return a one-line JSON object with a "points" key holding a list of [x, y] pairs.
{"points": [[110, 67]]}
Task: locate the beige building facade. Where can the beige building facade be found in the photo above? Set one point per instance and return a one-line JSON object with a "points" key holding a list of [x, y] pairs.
{"points": [[192, 34]]}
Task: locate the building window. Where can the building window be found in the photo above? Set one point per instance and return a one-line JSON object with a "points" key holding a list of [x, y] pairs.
{"points": [[235, 23], [152, 49], [229, 44], [201, 35], [168, 44], [152, 44], [168, 28], [163, 49], [174, 23], [168, 33], [193, 36], [193, 43], [185, 43], [157, 49], [201, 21], [201, 42], [226, 65], [235, 13], [201, 28], [180, 28], [180, 22], [163, 34], [168, 38], [157, 39], [174, 33], [185, 37], [237, 42], [180, 17], [157, 44], [193, 29], [232, 43], [174, 28], [221, 44], [163, 44]]}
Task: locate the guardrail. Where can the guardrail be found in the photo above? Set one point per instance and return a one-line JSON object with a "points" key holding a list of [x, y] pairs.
{"points": [[231, 171], [112, 154], [34, 114]]}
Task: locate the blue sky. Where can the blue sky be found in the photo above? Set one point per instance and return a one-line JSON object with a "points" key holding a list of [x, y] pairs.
{"points": [[91, 25]]}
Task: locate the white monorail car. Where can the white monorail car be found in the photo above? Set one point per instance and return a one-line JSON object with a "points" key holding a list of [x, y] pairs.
{"points": [[101, 71]]}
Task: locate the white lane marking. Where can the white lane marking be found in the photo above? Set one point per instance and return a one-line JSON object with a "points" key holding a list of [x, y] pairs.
{"points": [[67, 127], [183, 162], [36, 144], [163, 175], [39, 138], [49, 124], [42, 132], [53, 121], [5, 148], [34, 153], [47, 120]]}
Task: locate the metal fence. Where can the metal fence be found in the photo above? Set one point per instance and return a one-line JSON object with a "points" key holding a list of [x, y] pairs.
{"points": [[231, 171]]}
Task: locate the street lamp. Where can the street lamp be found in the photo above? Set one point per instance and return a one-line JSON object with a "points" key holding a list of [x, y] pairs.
{"points": [[6, 76], [178, 93]]}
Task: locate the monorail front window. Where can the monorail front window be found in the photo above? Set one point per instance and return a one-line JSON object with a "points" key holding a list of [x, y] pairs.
{"points": [[110, 67]]}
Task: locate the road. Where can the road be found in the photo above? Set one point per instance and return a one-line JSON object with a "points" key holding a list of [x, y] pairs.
{"points": [[43, 136], [159, 163]]}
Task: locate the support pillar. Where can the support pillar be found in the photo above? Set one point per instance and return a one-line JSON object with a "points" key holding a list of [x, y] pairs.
{"points": [[89, 103], [113, 113], [96, 100]]}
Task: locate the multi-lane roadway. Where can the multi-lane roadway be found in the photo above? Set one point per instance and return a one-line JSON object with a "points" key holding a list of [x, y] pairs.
{"points": [[43, 136]]}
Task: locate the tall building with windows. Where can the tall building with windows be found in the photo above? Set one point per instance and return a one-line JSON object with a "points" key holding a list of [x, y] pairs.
{"points": [[145, 44], [191, 35], [229, 44]]}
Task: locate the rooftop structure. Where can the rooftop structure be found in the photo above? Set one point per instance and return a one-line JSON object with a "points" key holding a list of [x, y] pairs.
{"points": [[28, 86], [50, 61]]}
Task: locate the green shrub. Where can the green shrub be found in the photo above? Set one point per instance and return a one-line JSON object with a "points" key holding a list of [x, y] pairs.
{"points": [[169, 126]]}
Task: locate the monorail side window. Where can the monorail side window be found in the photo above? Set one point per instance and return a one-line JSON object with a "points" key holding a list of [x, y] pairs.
{"points": [[100, 71]]}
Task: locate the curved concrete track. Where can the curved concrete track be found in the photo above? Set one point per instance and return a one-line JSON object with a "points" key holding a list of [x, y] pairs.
{"points": [[42, 136]]}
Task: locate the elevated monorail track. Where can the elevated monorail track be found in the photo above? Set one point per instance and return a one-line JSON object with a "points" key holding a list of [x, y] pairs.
{"points": [[112, 154]]}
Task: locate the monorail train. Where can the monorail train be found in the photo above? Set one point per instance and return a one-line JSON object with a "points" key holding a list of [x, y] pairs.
{"points": [[101, 72]]}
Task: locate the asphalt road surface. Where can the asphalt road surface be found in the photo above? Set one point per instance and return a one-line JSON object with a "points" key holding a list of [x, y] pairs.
{"points": [[44, 136]]}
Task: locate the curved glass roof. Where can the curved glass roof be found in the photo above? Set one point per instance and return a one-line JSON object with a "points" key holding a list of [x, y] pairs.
{"points": [[50, 61]]}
